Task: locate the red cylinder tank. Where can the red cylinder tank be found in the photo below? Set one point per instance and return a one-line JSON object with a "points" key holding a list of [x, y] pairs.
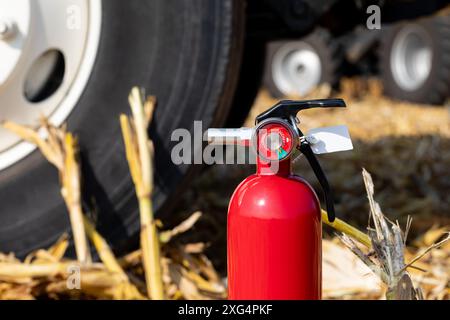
{"points": [[274, 237]]}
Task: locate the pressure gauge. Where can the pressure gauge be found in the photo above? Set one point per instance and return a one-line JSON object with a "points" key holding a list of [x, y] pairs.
{"points": [[274, 140]]}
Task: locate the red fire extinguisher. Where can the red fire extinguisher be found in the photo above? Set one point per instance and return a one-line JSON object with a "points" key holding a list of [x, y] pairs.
{"points": [[274, 217]]}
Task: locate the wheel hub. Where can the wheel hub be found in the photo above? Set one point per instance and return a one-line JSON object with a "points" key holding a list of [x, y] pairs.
{"points": [[7, 29], [13, 18], [47, 51], [411, 57], [296, 68]]}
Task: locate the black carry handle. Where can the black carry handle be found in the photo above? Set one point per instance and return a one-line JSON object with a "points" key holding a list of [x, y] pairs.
{"points": [[285, 109]]}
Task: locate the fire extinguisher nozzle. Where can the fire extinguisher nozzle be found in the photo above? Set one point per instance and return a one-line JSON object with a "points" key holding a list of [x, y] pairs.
{"points": [[239, 136]]}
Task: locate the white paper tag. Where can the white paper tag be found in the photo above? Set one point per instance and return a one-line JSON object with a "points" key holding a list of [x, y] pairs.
{"points": [[329, 139]]}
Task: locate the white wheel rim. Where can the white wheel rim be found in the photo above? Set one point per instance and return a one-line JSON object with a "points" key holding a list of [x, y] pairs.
{"points": [[73, 28], [411, 57], [296, 68]]}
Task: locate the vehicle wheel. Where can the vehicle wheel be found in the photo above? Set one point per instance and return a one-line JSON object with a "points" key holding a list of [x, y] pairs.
{"points": [[415, 60], [75, 61], [297, 67]]}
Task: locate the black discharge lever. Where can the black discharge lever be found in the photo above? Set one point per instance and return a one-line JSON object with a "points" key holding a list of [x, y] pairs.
{"points": [[286, 109]]}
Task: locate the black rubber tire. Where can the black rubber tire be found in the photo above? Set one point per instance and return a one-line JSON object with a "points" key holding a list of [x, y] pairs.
{"points": [[188, 54], [436, 87], [328, 50], [250, 80]]}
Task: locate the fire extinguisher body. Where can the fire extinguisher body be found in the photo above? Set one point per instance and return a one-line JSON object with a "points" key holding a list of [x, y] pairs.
{"points": [[274, 238]]}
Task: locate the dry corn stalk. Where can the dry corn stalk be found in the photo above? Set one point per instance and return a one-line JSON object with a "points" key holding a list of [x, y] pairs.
{"points": [[166, 236], [60, 148], [188, 273], [387, 260], [139, 151], [44, 272], [126, 289], [47, 271], [388, 244], [348, 277]]}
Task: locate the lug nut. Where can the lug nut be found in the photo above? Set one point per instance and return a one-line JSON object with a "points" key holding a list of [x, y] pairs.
{"points": [[7, 29]]}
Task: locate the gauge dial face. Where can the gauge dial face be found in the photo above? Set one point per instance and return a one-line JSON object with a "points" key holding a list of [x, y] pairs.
{"points": [[274, 142]]}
